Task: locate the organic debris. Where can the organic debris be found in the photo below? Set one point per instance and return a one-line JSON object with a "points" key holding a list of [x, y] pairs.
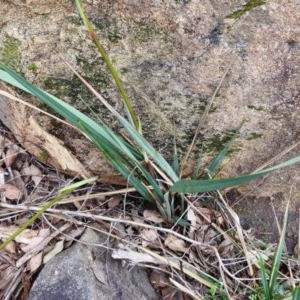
{"points": [[212, 253]]}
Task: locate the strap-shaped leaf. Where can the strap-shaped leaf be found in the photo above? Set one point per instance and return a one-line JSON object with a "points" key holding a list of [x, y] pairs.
{"points": [[201, 186]]}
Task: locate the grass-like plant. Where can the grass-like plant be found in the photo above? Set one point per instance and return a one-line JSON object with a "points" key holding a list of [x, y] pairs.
{"points": [[271, 288], [156, 180], [145, 169]]}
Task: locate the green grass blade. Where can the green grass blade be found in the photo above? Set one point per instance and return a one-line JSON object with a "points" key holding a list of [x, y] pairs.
{"points": [[130, 113], [296, 293], [148, 148], [200, 186], [218, 160], [115, 156], [62, 193], [264, 279], [278, 254], [175, 155], [125, 172]]}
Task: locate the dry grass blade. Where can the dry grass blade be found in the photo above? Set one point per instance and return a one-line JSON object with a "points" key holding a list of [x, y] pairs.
{"points": [[238, 226], [277, 157], [14, 98], [185, 290]]}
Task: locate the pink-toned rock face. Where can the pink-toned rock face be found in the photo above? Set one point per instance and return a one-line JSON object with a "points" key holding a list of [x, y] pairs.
{"points": [[171, 56]]}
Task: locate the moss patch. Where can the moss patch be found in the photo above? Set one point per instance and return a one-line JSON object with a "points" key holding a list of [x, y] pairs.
{"points": [[251, 4], [145, 31], [32, 67], [257, 108], [217, 142], [109, 28], [254, 136], [11, 52]]}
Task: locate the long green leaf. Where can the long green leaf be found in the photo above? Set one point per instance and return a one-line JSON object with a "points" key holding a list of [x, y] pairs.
{"points": [[148, 148], [121, 154], [264, 279], [201, 186], [278, 254], [135, 135], [115, 157], [296, 293]]}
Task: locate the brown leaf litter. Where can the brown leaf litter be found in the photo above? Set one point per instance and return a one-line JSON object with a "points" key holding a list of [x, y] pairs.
{"points": [[24, 180], [213, 244]]}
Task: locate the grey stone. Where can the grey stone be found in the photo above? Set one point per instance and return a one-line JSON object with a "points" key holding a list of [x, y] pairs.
{"points": [[87, 272]]}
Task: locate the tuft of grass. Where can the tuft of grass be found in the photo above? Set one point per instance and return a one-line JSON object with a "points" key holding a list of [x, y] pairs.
{"points": [[271, 288]]}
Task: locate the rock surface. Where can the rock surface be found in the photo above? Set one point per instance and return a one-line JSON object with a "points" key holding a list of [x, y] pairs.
{"points": [[171, 56], [87, 271]]}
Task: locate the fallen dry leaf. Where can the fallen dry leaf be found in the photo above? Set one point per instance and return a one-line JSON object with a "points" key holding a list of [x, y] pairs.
{"points": [[23, 238], [24, 171], [7, 275], [150, 238], [59, 246], [33, 243], [226, 247], [133, 256], [152, 216], [2, 176], [220, 219], [10, 191], [175, 244], [20, 184], [11, 247], [35, 262], [205, 234], [35, 139], [136, 218], [41, 246], [35, 240], [11, 155], [114, 201], [158, 279], [44, 232], [192, 218], [206, 213], [194, 257], [35, 173]]}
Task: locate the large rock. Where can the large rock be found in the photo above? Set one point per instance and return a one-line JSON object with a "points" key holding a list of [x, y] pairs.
{"points": [[171, 56], [87, 271]]}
